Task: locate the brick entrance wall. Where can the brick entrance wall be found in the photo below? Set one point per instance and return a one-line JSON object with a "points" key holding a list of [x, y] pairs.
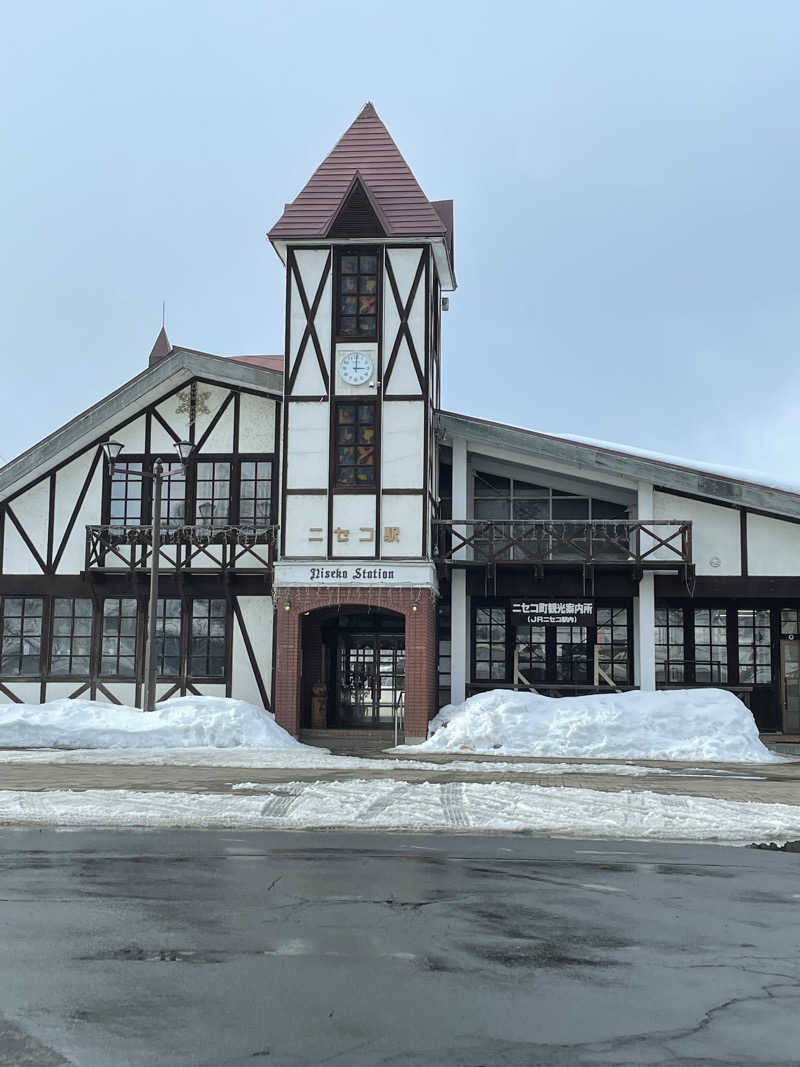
{"points": [[420, 628]]}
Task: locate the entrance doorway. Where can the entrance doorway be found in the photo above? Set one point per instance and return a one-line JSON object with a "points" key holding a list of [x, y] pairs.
{"points": [[356, 658], [370, 679], [790, 686]]}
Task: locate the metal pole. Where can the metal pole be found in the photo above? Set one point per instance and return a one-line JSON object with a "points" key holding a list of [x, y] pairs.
{"points": [[149, 657]]}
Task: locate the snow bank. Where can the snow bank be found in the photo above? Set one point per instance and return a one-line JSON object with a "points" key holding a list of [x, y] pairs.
{"points": [[186, 722], [500, 807], [686, 724]]}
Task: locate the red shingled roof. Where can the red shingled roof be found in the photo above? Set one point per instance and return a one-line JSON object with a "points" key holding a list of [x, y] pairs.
{"points": [[366, 148]]}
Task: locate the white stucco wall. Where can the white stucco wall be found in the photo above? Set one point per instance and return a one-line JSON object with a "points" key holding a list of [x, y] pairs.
{"points": [[715, 532], [258, 614], [257, 416], [403, 443], [773, 546], [308, 445], [355, 513], [304, 514], [405, 513]]}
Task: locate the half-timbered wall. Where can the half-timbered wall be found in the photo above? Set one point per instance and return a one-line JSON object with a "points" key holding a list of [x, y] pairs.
{"points": [[390, 517], [43, 557]]}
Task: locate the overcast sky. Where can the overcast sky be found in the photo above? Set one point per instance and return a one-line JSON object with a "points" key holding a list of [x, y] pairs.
{"points": [[625, 177]]}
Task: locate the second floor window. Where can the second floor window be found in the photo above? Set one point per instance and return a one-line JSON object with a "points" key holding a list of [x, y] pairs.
{"points": [[355, 449], [215, 492], [357, 297]]}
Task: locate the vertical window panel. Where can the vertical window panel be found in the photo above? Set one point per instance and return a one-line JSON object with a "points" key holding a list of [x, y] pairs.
{"points": [[71, 648], [355, 445], [490, 644], [213, 491], [255, 493], [125, 492], [167, 646], [208, 640], [613, 639], [670, 658], [118, 638], [755, 646], [711, 645], [21, 621], [357, 297]]}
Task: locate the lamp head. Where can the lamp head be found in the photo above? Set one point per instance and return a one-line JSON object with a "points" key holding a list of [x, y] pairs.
{"points": [[184, 450], [111, 450]]}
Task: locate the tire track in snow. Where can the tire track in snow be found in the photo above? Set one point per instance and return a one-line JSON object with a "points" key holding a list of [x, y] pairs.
{"points": [[381, 803], [452, 798], [279, 803]]}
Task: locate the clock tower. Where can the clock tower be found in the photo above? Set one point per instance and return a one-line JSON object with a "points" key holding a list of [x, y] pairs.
{"points": [[367, 257]]}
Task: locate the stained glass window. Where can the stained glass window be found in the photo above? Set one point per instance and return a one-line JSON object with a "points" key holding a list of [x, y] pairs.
{"points": [[357, 307], [355, 444]]}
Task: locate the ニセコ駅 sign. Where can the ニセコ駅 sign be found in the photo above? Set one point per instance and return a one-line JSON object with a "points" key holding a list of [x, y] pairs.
{"points": [[541, 612]]}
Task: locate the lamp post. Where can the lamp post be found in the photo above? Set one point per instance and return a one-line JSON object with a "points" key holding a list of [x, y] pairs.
{"points": [[112, 450]]}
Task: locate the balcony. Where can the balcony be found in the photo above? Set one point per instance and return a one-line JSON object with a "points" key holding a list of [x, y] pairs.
{"points": [[183, 548], [650, 544]]}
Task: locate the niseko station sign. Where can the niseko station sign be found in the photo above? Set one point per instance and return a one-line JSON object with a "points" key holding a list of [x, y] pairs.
{"points": [[542, 612]]}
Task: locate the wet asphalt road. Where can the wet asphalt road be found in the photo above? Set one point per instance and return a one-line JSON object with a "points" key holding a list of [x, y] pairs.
{"points": [[230, 948]]}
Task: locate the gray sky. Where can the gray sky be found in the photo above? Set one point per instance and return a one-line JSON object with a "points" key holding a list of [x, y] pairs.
{"points": [[625, 177]]}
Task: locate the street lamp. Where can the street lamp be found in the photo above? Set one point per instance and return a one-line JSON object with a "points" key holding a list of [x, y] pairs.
{"points": [[111, 450]]}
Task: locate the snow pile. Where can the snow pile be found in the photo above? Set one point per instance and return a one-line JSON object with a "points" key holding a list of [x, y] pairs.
{"points": [[186, 722], [685, 724]]}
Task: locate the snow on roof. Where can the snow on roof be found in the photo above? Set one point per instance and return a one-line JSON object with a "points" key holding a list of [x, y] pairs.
{"points": [[741, 477]]}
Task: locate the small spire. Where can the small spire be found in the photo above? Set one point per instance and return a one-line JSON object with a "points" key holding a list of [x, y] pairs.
{"points": [[162, 348]]}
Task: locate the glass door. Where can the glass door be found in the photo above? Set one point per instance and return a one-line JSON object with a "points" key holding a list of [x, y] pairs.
{"points": [[371, 680]]}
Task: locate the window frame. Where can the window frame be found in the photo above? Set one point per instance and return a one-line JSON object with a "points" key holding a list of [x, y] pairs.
{"points": [[190, 499], [43, 634], [356, 250], [138, 655], [72, 636], [363, 487]]}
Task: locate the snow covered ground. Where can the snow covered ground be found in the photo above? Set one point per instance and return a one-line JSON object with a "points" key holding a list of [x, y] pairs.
{"points": [[186, 722], [686, 724], [393, 805]]}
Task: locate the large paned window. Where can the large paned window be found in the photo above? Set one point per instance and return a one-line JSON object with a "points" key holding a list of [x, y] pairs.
{"points": [[613, 639], [531, 646], [118, 638], [255, 493], [518, 505], [711, 645], [213, 488], [167, 646], [355, 445], [754, 640], [173, 497], [490, 643], [125, 506], [71, 651], [207, 650], [670, 658], [572, 654], [21, 635], [357, 301]]}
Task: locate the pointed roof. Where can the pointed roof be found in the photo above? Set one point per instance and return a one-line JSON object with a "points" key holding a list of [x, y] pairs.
{"points": [[367, 150], [161, 349]]}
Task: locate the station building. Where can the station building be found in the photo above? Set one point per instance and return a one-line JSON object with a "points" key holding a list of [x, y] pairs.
{"points": [[344, 552]]}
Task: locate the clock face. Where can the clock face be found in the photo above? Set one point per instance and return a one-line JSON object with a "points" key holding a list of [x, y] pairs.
{"points": [[356, 368]]}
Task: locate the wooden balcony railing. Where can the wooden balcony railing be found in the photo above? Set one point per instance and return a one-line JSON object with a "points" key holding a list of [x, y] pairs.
{"points": [[119, 548], [650, 543]]}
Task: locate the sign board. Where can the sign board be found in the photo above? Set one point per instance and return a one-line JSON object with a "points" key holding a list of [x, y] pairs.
{"points": [[355, 572], [542, 612]]}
